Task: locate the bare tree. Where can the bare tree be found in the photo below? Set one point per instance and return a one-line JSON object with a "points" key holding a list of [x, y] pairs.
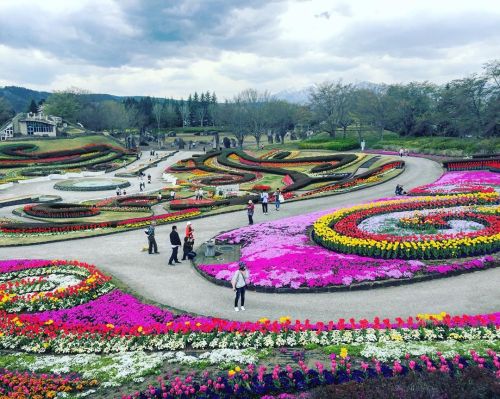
{"points": [[331, 103], [158, 112], [185, 113]]}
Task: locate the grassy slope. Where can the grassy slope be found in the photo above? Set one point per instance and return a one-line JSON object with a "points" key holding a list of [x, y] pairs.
{"points": [[62, 144]]}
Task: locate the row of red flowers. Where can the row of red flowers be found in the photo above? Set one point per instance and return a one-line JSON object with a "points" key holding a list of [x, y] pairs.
{"points": [[61, 211], [31, 325], [22, 228], [473, 165]]}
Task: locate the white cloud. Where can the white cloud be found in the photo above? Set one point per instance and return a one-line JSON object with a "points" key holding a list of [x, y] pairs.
{"points": [[172, 48]]}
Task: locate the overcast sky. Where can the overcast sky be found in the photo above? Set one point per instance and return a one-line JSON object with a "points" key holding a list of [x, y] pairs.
{"points": [[170, 48]]}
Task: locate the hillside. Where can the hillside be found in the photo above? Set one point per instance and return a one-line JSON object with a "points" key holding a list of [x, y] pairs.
{"points": [[20, 97]]}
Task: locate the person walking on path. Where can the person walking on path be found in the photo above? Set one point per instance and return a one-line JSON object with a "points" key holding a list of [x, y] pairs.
{"points": [[264, 197], [159, 197], [150, 232], [239, 282], [175, 241], [250, 210], [401, 152], [149, 178], [277, 199]]}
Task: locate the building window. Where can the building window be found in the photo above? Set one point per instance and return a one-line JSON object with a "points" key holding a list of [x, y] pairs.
{"points": [[38, 127]]}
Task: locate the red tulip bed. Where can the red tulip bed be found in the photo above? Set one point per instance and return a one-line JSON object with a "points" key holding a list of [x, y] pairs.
{"points": [[472, 164], [60, 210]]}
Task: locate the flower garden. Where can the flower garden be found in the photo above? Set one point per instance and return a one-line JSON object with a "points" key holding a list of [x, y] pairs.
{"points": [[71, 308], [389, 240], [33, 158], [69, 330], [298, 174]]}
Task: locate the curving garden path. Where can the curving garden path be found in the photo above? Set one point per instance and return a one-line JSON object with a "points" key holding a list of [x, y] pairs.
{"points": [[182, 287]]}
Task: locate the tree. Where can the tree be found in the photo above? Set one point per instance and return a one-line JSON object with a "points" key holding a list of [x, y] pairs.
{"points": [[115, 116], [66, 103], [331, 102], [410, 108], [237, 118], [492, 72], [462, 106], [185, 112], [6, 110], [33, 108], [283, 118], [370, 108], [256, 108], [158, 111]]}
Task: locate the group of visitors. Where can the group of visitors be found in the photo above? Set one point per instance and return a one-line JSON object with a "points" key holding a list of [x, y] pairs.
{"points": [[239, 280], [399, 190], [264, 199], [119, 192], [175, 243], [404, 152], [199, 194]]}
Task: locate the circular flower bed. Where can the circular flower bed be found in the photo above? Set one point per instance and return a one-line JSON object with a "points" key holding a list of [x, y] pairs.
{"points": [[34, 286], [91, 184], [194, 203], [139, 201], [341, 232], [61, 210]]}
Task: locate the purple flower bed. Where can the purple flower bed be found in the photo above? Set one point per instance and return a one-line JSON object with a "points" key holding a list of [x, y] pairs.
{"points": [[280, 254], [479, 177], [115, 308]]}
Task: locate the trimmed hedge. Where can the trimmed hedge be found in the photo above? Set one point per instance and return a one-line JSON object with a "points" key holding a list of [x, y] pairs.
{"points": [[110, 185], [333, 145], [281, 155]]}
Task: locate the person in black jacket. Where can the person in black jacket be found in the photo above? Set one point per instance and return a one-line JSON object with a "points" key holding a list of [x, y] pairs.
{"points": [[175, 241]]}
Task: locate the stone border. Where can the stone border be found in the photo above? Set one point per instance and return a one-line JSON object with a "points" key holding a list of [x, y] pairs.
{"points": [[353, 287], [67, 185]]}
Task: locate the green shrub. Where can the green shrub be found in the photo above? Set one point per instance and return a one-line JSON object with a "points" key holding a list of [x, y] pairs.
{"points": [[330, 144]]}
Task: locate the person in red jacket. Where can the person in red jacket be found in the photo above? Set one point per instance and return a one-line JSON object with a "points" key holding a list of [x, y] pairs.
{"points": [[250, 210]]}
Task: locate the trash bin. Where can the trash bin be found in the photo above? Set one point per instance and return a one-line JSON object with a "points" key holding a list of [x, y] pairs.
{"points": [[209, 248]]}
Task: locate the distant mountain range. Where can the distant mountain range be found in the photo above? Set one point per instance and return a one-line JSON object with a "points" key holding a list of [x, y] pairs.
{"points": [[20, 97], [301, 96]]}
